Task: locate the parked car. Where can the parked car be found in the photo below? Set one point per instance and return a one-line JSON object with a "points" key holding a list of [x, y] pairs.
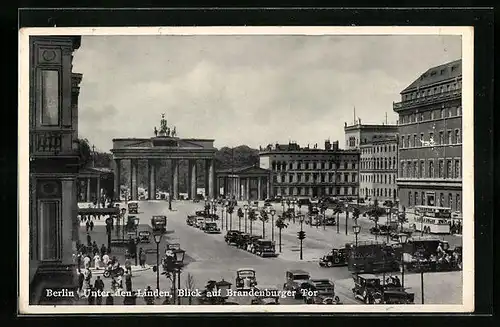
{"points": [[334, 258], [241, 240], [367, 288], [266, 295], [264, 248], [211, 228], [191, 220], [133, 207], [232, 236], [319, 291], [294, 280], [250, 242], [245, 279]]}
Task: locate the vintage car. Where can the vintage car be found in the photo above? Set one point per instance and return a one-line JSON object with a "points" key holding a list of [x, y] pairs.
{"points": [[382, 229], [330, 221], [241, 240], [266, 295], [191, 220], [245, 279], [264, 248], [231, 236], [294, 280], [250, 242], [145, 236], [159, 223], [200, 222], [211, 228], [133, 207], [319, 291], [200, 213], [334, 258], [367, 288]]}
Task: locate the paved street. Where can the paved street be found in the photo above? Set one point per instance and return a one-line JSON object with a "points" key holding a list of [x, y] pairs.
{"points": [[209, 257]]}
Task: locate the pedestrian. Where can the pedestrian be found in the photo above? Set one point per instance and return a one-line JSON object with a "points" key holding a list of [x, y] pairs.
{"points": [[109, 299], [79, 259], [99, 287], [149, 296], [103, 250], [81, 277], [128, 282], [89, 239], [114, 286], [128, 266], [105, 259], [130, 300], [91, 297], [87, 278], [87, 226], [142, 258], [86, 261], [97, 261], [95, 248], [119, 283], [91, 225]]}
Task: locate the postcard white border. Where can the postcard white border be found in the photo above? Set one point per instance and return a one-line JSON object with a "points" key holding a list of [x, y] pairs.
{"points": [[467, 167]]}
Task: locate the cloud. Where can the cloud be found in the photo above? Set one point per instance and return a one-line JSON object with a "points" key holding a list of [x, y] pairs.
{"points": [[250, 90]]}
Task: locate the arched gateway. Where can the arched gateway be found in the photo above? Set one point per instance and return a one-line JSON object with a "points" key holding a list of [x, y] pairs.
{"points": [[165, 145]]}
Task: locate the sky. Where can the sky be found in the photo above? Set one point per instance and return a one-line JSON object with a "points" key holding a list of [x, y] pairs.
{"points": [[248, 89]]}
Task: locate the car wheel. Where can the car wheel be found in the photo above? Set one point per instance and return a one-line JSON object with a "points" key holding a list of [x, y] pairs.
{"points": [[106, 274], [329, 264]]}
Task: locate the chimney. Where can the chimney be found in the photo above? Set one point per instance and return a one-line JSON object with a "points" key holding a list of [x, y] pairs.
{"points": [[335, 146], [328, 145]]}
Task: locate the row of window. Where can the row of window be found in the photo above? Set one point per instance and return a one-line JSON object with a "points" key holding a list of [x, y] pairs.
{"points": [[283, 166], [430, 115], [385, 192], [379, 149], [308, 191], [451, 137], [316, 178], [415, 199], [379, 178], [449, 168], [433, 91], [378, 163]]}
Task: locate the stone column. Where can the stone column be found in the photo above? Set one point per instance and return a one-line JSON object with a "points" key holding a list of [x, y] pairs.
{"points": [[88, 190], [66, 221], [116, 171], [211, 179], [133, 179], [192, 163], [98, 194], [188, 184], [207, 177], [247, 185], [152, 179], [259, 191], [175, 179], [268, 187]]}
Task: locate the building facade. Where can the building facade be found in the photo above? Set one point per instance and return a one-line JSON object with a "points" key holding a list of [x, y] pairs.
{"points": [[378, 171], [378, 149], [244, 183], [54, 164], [311, 172], [430, 140]]}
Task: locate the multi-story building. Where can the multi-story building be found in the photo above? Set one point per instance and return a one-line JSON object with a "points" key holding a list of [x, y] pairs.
{"points": [[54, 164], [430, 140], [378, 169], [378, 147], [358, 134], [311, 172]]}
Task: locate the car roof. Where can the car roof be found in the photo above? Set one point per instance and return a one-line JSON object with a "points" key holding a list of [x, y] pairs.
{"points": [[243, 269], [320, 280], [298, 271], [368, 276]]}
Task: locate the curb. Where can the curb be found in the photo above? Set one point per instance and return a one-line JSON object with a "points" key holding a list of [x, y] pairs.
{"points": [[134, 269]]}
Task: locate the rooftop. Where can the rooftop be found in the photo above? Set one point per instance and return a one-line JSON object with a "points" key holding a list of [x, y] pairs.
{"points": [[436, 74]]}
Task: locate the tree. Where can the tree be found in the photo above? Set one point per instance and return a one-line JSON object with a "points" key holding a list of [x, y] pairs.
{"points": [[280, 224], [252, 217], [376, 212], [230, 211], [85, 152], [264, 218], [240, 216], [337, 210], [190, 285]]}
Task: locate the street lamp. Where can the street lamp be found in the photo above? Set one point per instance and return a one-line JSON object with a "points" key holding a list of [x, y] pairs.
{"points": [[273, 212], [403, 238], [136, 226], [123, 211], [245, 207], [346, 216], [223, 287], [179, 263], [283, 205], [301, 219], [157, 237], [356, 229]]}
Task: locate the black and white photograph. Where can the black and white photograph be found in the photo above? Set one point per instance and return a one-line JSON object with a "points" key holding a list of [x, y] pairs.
{"points": [[315, 169]]}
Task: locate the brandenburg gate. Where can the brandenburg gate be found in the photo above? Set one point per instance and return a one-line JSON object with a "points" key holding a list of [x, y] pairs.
{"points": [[165, 145]]}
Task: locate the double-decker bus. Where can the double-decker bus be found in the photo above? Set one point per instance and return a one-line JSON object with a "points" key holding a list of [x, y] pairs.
{"points": [[433, 220]]}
